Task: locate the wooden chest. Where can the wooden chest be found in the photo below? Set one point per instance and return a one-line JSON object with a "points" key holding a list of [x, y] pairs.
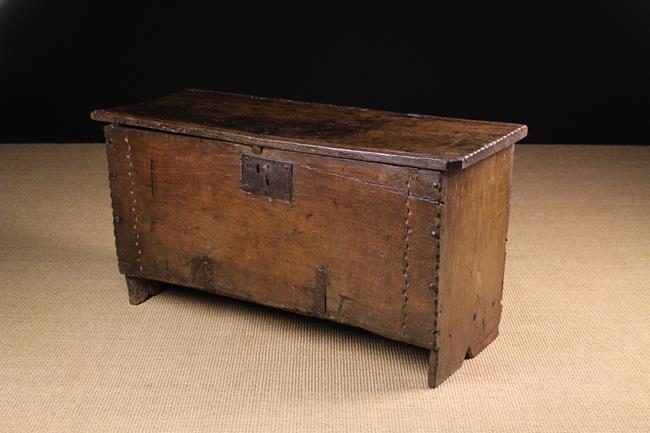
{"points": [[395, 223]]}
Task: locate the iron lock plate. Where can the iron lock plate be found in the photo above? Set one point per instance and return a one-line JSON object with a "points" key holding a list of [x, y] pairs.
{"points": [[267, 177]]}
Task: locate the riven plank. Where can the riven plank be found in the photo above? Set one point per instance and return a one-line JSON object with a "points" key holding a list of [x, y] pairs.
{"points": [[472, 260], [361, 134], [354, 245]]}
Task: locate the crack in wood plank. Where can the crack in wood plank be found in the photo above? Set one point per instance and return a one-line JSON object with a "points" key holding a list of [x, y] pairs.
{"points": [[391, 189]]}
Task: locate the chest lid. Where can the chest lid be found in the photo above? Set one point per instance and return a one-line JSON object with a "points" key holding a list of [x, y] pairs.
{"points": [[412, 140]]}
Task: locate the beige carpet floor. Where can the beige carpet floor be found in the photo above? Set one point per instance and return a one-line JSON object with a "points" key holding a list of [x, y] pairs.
{"points": [[573, 354]]}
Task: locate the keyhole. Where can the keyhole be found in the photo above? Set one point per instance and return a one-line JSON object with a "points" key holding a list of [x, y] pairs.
{"points": [[268, 181], [258, 168]]}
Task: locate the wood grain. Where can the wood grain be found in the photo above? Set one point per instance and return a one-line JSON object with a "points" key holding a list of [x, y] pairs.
{"points": [[346, 132], [393, 223], [141, 289], [354, 245], [472, 260]]}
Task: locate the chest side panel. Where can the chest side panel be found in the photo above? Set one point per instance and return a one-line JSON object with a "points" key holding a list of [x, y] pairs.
{"points": [[473, 246], [355, 244]]}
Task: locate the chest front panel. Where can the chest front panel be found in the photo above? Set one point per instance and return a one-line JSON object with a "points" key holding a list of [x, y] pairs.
{"points": [[352, 241]]}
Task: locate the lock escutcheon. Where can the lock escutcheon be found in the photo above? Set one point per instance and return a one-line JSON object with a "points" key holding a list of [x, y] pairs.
{"points": [[267, 177]]}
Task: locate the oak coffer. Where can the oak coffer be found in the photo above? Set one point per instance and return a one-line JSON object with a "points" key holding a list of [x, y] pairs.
{"points": [[395, 223]]}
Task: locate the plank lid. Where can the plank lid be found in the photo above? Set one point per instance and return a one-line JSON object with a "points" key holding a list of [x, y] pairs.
{"points": [[412, 140]]}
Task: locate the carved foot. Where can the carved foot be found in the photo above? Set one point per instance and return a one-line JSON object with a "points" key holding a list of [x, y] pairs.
{"points": [[442, 366], [141, 289]]}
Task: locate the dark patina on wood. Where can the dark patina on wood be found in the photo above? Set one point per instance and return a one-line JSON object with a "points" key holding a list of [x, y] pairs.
{"points": [[393, 223], [412, 140]]}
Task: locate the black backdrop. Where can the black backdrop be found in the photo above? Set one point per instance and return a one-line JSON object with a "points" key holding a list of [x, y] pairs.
{"points": [[576, 73]]}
